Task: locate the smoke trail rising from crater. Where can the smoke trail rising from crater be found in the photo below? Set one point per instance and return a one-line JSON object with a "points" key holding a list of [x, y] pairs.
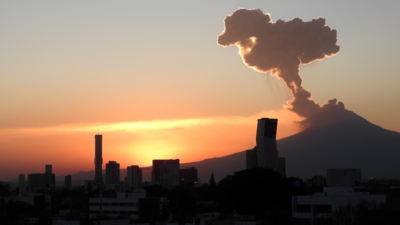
{"points": [[280, 48]]}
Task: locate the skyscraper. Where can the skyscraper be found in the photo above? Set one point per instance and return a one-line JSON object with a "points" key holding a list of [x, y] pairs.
{"points": [[98, 160], [68, 182], [251, 158], [49, 177], [21, 184], [267, 154], [166, 172], [134, 176], [112, 172], [49, 169]]}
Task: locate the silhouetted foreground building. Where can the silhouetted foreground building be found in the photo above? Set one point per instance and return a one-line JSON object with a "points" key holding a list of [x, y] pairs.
{"points": [[188, 175], [320, 206], [112, 172], [134, 176], [166, 172], [115, 205], [343, 177], [251, 158], [98, 160], [21, 184], [68, 182], [265, 154], [47, 179]]}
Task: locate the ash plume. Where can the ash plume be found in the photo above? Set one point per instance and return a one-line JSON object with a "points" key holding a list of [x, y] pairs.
{"points": [[280, 48]]}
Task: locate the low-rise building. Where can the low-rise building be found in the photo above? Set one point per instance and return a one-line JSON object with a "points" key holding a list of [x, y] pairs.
{"points": [[343, 177], [116, 205], [322, 205]]}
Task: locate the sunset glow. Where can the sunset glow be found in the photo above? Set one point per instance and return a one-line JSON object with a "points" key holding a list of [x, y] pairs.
{"points": [[139, 142], [156, 84]]}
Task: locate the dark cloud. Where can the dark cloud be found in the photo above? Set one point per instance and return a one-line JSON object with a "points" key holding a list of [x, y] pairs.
{"points": [[280, 48]]}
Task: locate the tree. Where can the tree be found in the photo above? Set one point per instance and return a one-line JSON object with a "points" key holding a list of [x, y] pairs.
{"points": [[212, 181], [212, 188]]}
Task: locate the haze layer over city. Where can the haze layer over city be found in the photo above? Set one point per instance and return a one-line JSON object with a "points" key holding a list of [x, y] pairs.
{"points": [[153, 80]]}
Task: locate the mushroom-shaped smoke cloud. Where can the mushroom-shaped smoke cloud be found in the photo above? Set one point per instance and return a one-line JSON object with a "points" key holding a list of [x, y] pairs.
{"points": [[280, 48]]}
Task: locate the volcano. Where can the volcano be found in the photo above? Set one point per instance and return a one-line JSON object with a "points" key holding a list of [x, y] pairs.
{"points": [[342, 139], [336, 138]]}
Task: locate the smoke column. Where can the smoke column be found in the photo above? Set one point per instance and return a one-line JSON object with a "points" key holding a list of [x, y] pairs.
{"points": [[280, 48]]}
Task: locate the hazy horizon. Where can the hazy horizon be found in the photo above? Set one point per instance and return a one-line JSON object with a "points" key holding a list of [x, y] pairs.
{"points": [[153, 80]]}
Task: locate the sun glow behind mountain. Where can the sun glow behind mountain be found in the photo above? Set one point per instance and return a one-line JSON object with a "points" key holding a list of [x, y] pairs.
{"points": [[136, 143]]}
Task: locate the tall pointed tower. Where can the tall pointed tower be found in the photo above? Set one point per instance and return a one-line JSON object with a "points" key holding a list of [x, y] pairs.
{"points": [[98, 160]]}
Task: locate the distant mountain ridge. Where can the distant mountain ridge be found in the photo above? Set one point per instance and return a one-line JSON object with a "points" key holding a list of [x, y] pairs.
{"points": [[346, 141], [335, 139], [220, 166]]}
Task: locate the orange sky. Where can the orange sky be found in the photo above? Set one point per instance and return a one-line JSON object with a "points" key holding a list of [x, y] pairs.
{"points": [[157, 84], [70, 148]]}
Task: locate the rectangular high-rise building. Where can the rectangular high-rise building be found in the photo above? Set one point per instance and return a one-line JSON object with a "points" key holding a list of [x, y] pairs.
{"points": [[166, 172], [36, 180], [42, 179], [112, 172], [251, 158], [98, 160], [133, 177], [267, 153], [68, 182], [49, 169], [49, 177], [46, 179], [21, 184], [188, 175]]}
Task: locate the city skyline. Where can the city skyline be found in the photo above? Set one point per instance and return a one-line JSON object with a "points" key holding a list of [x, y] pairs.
{"points": [[157, 85]]}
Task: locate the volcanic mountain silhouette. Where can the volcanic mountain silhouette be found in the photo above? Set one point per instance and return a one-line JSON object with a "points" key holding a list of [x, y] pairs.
{"points": [[342, 139], [336, 138]]}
